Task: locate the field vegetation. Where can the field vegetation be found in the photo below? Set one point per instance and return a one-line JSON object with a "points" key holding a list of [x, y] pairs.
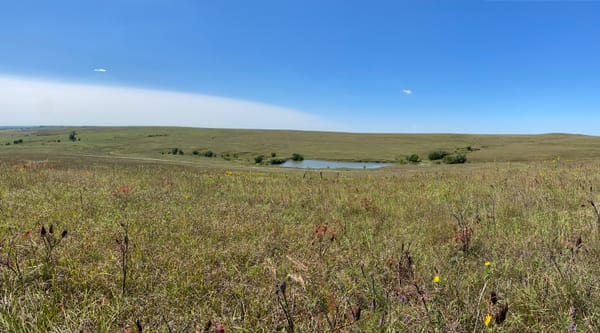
{"points": [[96, 245], [112, 245], [243, 146]]}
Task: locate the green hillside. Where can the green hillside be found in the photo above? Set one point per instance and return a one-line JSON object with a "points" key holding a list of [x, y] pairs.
{"points": [[243, 145]]}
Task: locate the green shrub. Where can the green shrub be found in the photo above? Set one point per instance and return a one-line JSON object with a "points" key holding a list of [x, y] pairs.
{"points": [[455, 159], [437, 155], [414, 158], [297, 157], [259, 159], [195, 152], [277, 161], [73, 136], [209, 153]]}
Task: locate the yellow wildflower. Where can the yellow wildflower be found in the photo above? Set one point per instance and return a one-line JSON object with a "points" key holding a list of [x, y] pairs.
{"points": [[488, 320], [436, 279], [487, 264]]}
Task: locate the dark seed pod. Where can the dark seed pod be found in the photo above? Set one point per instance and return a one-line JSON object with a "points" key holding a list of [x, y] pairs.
{"points": [[138, 325], [64, 234], [501, 314], [494, 297], [43, 231], [282, 286], [51, 230], [207, 326]]}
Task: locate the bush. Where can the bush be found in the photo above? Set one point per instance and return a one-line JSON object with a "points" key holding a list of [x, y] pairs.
{"points": [[277, 161], [273, 154], [414, 158], [297, 157], [437, 155], [209, 153], [455, 159], [18, 141], [174, 151], [73, 136], [195, 152], [259, 159]]}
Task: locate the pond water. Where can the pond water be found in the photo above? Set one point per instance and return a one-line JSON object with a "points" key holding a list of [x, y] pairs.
{"points": [[319, 164]]}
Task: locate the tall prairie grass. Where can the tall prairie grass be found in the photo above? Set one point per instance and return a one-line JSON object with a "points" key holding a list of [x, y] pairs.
{"points": [[508, 248]]}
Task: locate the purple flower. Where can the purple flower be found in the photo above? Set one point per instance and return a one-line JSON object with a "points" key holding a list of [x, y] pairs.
{"points": [[406, 319], [572, 328], [403, 299], [373, 304]]}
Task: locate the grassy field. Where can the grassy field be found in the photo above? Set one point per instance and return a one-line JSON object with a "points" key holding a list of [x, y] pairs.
{"points": [[242, 146], [108, 235]]}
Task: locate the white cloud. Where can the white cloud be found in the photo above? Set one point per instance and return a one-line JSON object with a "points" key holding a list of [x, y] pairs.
{"points": [[101, 70], [32, 102], [407, 91]]}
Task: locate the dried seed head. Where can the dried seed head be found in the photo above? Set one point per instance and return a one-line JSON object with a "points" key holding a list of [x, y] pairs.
{"points": [[282, 286], [578, 241], [138, 325], [51, 230], [64, 234], [494, 297], [207, 326], [501, 314], [43, 231]]}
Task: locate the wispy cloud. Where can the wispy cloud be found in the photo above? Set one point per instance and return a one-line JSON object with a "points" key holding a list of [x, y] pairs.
{"points": [[34, 102], [407, 91], [101, 70]]}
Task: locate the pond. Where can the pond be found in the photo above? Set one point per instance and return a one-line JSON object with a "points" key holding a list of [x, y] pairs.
{"points": [[320, 164]]}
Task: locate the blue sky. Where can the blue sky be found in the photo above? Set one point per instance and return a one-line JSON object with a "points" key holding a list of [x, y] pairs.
{"points": [[471, 66]]}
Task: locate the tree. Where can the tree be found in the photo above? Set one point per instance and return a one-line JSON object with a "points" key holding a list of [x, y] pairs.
{"points": [[73, 136]]}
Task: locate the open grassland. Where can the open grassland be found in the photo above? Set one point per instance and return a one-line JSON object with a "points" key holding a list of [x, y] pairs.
{"points": [[179, 248], [242, 146]]}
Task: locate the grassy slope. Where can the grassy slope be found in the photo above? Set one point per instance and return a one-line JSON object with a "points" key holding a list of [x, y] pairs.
{"points": [[210, 244], [135, 141]]}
